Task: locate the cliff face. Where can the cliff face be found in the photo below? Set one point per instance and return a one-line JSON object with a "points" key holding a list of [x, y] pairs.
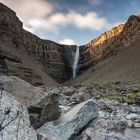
{"points": [[38, 58], [108, 43], [41, 61]]}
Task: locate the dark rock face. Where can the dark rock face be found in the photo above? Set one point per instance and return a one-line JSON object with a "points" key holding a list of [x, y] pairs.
{"points": [[33, 59], [45, 110], [54, 59]]}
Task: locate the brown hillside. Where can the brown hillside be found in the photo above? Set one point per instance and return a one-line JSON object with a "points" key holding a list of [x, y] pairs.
{"points": [[116, 58], [39, 59]]}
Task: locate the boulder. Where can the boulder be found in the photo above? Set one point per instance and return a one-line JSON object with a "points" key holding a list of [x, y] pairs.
{"points": [[14, 119], [24, 92], [45, 109], [70, 124], [104, 130]]}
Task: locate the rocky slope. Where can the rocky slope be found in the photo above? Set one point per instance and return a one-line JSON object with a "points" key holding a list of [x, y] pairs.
{"points": [[114, 59], [41, 61], [109, 43], [95, 111], [87, 116], [29, 57]]}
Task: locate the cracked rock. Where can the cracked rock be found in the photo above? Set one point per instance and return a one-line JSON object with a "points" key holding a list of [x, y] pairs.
{"points": [[14, 120], [70, 124]]}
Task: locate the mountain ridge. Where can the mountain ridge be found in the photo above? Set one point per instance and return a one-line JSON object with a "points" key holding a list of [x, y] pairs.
{"points": [[120, 58], [52, 57], [54, 61]]}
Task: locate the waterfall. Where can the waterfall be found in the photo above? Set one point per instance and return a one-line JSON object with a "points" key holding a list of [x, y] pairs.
{"points": [[75, 63]]}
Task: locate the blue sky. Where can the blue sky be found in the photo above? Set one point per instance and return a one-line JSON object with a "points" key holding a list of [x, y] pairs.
{"points": [[72, 21]]}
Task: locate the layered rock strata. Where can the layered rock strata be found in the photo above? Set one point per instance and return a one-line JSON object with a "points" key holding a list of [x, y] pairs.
{"points": [[109, 43], [49, 57]]}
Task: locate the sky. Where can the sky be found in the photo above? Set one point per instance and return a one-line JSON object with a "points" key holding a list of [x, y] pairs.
{"points": [[72, 21]]}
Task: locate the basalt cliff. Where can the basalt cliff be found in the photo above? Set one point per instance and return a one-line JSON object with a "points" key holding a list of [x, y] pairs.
{"points": [[40, 61], [101, 103], [109, 43], [113, 56], [27, 56]]}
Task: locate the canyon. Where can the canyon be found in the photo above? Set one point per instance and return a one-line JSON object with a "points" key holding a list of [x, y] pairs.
{"points": [[52, 91], [41, 61], [48, 58]]}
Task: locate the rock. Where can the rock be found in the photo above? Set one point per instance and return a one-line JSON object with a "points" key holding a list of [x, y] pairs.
{"points": [[101, 114], [44, 110], [102, 129], [132, 116], [81, 96], [14, 119], [67, 91], [24, 92], [41, 60], [91, 134], [132, 134], [115, 136], [106, 105], [137, 125], [134, 109], [91, 50], [64, 109], [71, 123], [117, 126], [130, 123]]}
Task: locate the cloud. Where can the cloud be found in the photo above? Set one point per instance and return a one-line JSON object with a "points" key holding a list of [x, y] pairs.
{"points": [[53, 22], [42, 14], [67, 42], [28, 9]]}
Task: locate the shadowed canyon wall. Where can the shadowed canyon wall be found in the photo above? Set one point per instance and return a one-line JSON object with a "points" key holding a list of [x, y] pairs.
{"points": [[40, 61], [54, 59]]}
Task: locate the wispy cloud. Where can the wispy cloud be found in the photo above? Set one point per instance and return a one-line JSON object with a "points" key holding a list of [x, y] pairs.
{"points": [[39, 14], [28, 9], [67, 41], [53, 22]]}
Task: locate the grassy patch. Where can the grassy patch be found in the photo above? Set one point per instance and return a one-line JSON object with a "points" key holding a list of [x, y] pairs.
{"points": [[138, 81], [131, 99], [113, 97]]}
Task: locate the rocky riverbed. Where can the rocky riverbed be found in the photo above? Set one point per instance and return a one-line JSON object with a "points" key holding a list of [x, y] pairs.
{"points": [[68, 113]]}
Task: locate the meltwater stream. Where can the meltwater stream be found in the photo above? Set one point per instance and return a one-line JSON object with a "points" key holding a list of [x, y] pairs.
{"points": [[75, 63]]}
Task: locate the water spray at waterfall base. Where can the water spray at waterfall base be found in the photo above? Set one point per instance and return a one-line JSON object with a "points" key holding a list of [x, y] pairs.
{"points": [[75, 64]]}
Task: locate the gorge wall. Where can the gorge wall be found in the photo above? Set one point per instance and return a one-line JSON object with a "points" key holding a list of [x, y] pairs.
{"points": [[40, 61], [31, 52], [109, 43]]}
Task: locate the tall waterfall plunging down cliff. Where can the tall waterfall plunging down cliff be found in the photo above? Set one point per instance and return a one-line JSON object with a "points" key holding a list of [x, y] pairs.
{"points": [[75, 63]]}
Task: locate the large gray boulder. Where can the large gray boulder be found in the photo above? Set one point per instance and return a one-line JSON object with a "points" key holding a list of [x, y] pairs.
{"points": [[24, 92], [70, 124], [14, 119], [45, 109]]}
